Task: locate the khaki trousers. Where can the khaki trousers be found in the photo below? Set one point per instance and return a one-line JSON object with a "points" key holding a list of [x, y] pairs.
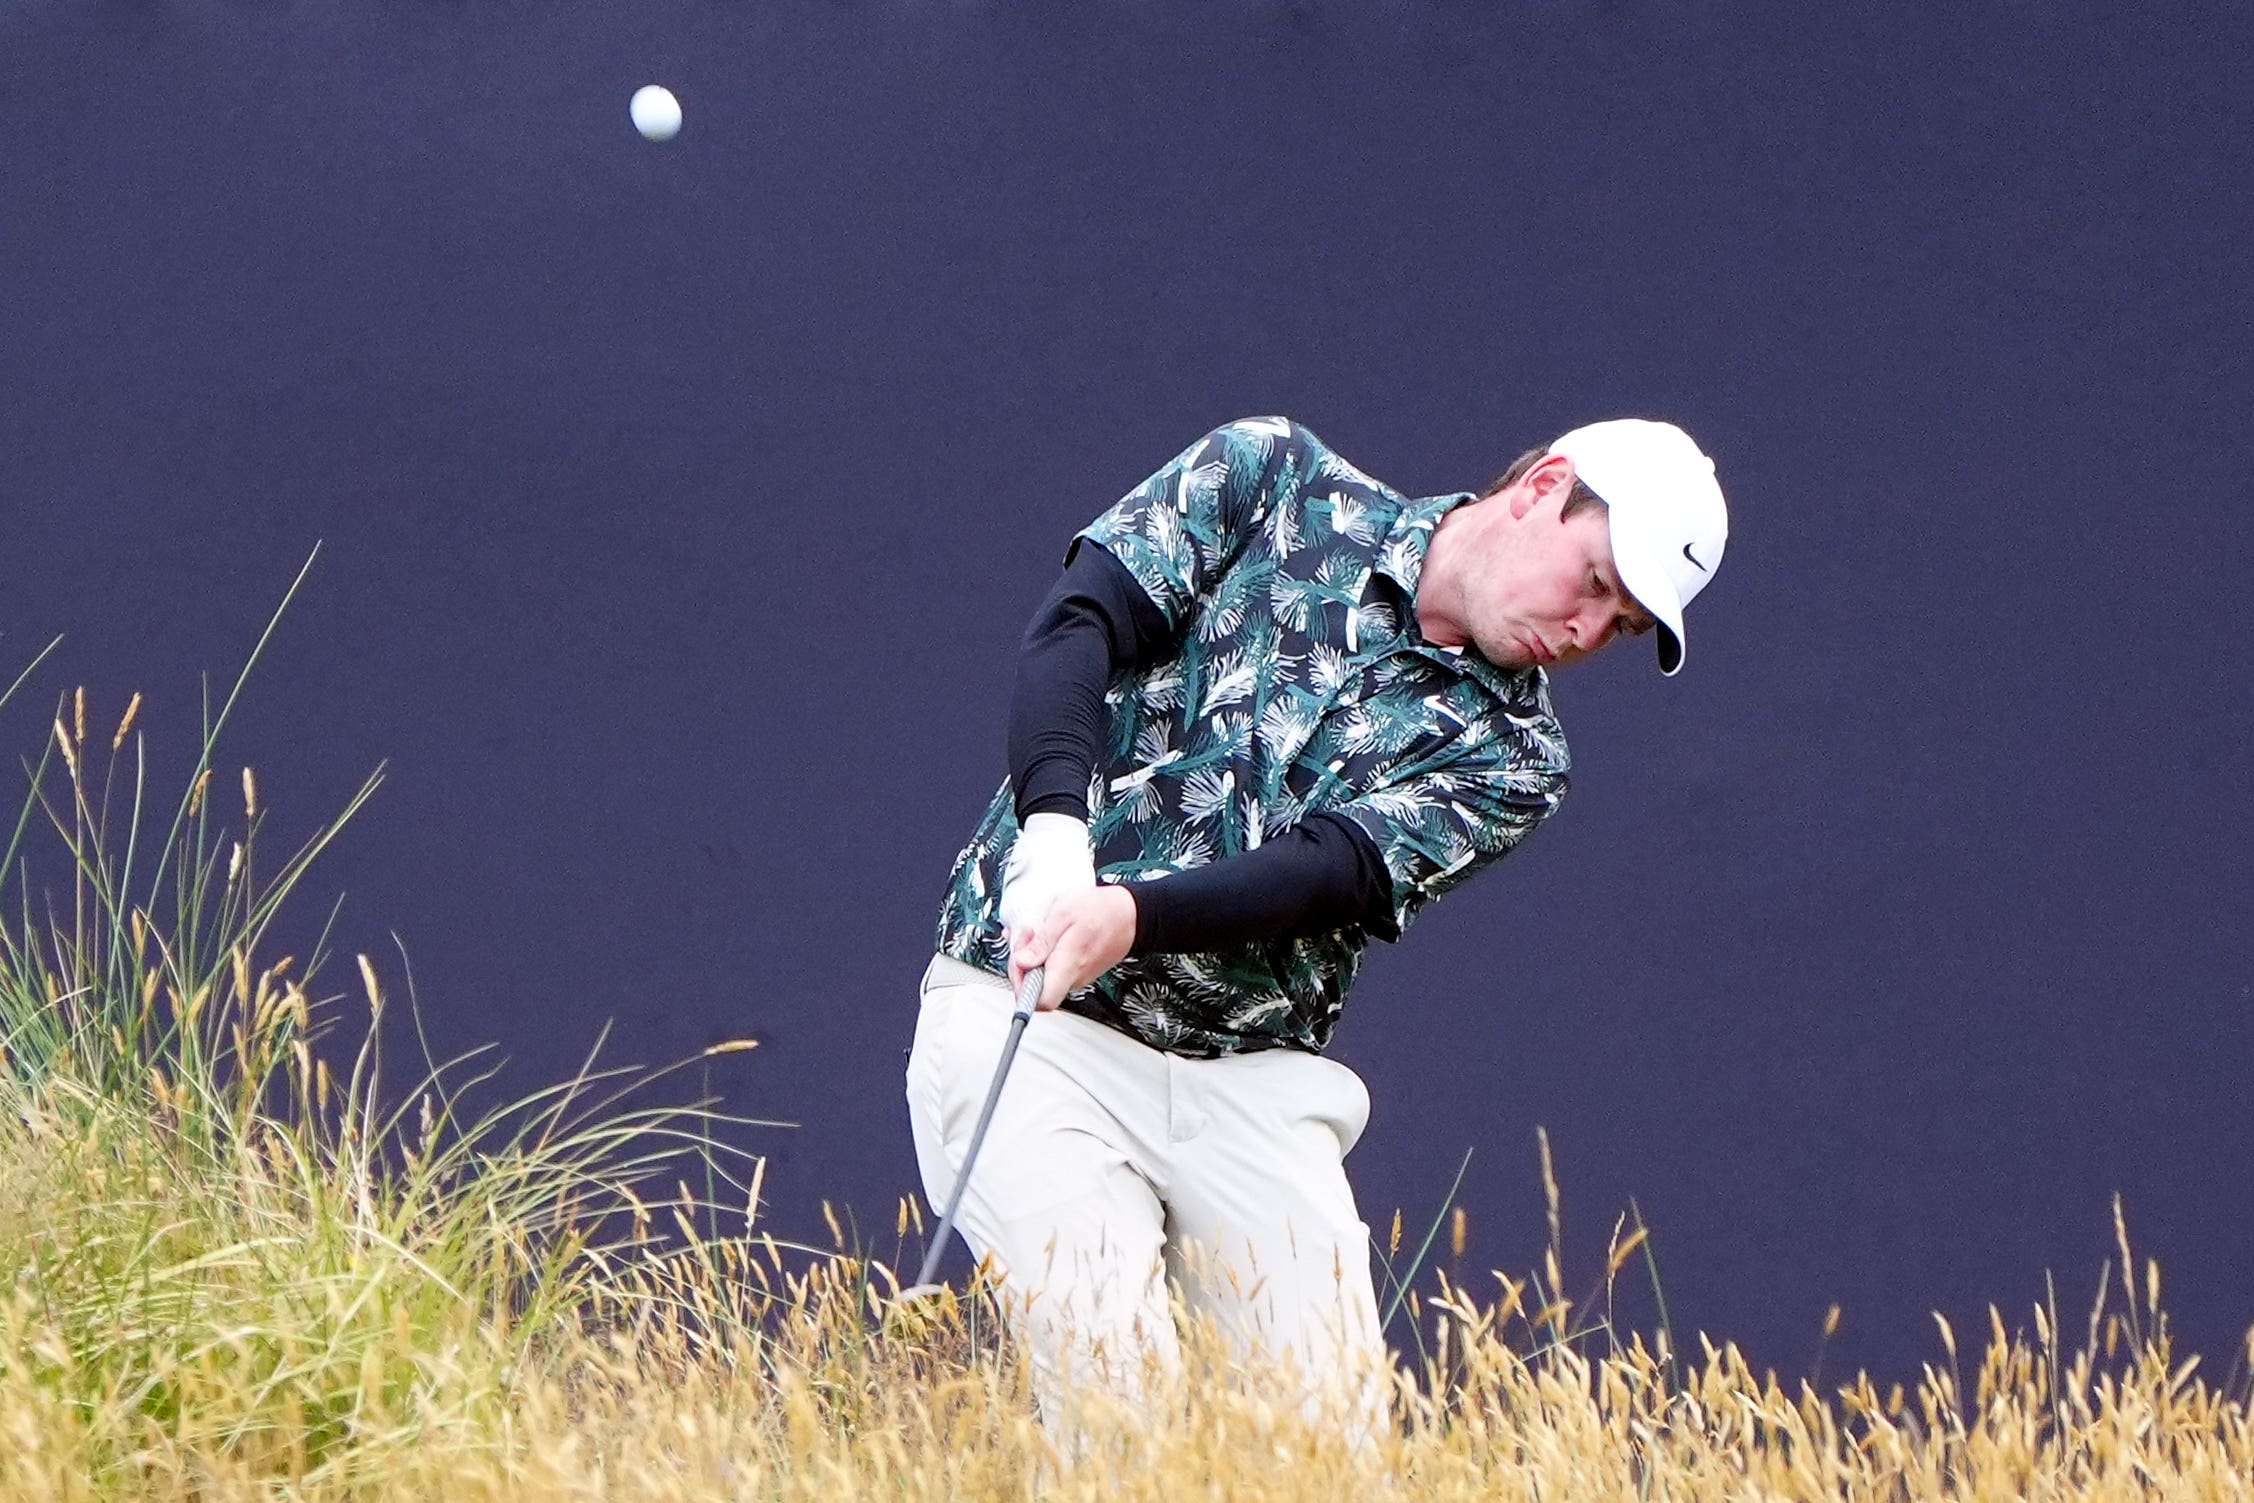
{"points": [[1113, 1170]]}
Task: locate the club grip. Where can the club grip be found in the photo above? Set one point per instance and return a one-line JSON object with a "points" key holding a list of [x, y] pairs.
{"points": [[1029, 991]]}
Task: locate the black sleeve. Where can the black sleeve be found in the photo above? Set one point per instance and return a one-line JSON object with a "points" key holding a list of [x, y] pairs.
{"points": [[1323, 873], [1095, 622]]}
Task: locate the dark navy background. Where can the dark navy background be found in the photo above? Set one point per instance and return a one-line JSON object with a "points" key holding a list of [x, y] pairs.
{"points": [[681, 505]]}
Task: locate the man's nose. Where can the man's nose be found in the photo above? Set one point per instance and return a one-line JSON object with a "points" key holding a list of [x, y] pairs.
{"points": [[1592, 627]]}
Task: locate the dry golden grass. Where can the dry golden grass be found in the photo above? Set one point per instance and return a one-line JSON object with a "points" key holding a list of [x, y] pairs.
{"points": [[718, 1372], [228, 1274]]}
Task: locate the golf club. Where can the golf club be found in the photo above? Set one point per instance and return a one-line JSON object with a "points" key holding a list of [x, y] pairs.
{"points": [[1028, 993]]}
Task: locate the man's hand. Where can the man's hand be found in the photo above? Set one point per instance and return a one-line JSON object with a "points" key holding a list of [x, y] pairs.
{"points": [[1050, 858], [1084, 935]]}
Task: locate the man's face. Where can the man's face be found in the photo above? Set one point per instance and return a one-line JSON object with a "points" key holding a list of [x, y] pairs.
{"points": [[1542, 589]]}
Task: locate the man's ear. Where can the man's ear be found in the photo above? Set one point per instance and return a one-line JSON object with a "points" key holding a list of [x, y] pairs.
{"points": [[1549, 480]]}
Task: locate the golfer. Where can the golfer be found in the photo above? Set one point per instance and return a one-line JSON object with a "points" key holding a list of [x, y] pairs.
{"points": [[1270, 710]]}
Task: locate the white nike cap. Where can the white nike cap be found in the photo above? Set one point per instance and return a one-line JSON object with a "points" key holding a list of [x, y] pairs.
{"points": [[1668, 521]]}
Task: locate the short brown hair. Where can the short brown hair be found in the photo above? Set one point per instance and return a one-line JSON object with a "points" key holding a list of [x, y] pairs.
{"points": [[1577, 500]]}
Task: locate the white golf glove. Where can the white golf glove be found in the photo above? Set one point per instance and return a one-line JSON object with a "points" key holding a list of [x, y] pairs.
{"points": [[1051, 857]]}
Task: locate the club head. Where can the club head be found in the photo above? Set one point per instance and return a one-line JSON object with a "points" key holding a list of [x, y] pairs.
{"points": [[917, 1309]]}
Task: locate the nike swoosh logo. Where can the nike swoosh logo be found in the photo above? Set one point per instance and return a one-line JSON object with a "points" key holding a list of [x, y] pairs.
{"points": [[1701, 568]]}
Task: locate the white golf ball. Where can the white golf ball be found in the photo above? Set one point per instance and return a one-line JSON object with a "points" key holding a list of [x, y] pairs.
{"points": [[657, 114]]}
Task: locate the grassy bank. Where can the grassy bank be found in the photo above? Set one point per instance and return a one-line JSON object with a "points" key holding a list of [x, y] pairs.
{"points": [[238, 1260]]}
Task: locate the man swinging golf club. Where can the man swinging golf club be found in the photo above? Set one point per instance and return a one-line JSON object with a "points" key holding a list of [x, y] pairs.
{"points": [[1272, 708]]}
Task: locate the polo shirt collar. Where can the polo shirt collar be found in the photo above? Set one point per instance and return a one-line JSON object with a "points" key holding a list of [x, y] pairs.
{"points": [[1400, 553], [1400, 558]]}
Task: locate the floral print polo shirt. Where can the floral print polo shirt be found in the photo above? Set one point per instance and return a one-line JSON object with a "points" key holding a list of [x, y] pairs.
{"points": [[1301, 685]]}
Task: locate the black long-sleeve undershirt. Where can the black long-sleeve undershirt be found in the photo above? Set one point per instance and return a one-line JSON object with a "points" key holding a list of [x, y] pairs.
{"points": [[1322, 874], [1095, 622]]}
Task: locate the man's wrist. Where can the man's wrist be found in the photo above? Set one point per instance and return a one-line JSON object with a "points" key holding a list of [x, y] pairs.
{"points": [[1048, 820], [1052, 837], [1130, 907]]}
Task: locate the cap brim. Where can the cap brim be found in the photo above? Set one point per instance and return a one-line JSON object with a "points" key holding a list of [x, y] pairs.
{"points": [[1646, 579], [1670, 651]]}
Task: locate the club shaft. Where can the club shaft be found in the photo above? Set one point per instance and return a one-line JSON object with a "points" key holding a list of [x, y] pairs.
{"points": [[1028, 993]]}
